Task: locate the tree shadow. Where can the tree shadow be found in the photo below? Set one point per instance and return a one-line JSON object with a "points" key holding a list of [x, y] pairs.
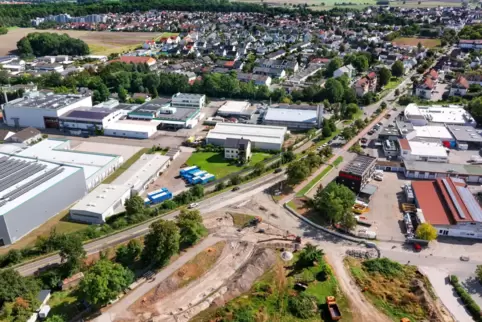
{"points": [[472, 285]]}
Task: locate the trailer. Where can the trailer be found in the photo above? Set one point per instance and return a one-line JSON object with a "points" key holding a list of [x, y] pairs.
{"points": [[208, 178], [160, 197], [147, 202], [184, 171], [335, 312], [153, 193]]}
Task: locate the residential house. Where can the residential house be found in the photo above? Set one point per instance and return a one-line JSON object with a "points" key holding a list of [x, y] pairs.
{"points": [[288, 65], [5, 134], [239, 149], [149, 61], [459, 87], [474, 79], [149, 44], [349, 70], [272, 72], [366, 84], [424, 89], [257, 79], [28, 135]]}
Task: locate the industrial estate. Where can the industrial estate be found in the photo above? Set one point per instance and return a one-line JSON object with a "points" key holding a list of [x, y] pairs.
{"points": [[250, 162]]}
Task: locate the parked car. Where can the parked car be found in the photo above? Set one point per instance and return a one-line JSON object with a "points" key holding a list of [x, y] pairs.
{"points": [[371, 132], [193, 205], [380, 124], [235, 188], [278, 170], [363, 140], [464, 258]]}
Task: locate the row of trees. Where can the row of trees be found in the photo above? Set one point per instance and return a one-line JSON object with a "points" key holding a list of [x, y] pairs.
{"points": [[42, 44]]}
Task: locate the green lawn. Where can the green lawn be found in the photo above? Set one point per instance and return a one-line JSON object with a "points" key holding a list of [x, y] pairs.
{"points": [[338, 161], [64, 303], [215, 163], [313, 182], [125, 166], [393, 83]]}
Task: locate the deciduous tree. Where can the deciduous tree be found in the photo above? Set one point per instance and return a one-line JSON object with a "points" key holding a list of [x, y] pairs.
{"points": [[398, 69], [426, 231], [334, 201], [384, 76], [161, 242], [72, 254]]}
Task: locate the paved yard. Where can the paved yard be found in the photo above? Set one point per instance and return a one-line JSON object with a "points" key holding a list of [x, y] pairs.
{"points": [[170, 178], [126, 151], [385, 214]]}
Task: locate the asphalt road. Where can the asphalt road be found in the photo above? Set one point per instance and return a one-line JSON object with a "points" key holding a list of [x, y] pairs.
{"points": [[205, 206]]}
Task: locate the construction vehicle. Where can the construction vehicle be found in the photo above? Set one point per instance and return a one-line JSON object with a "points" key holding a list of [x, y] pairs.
{"points": [[333, 308], [408, 207], [255, 221], [359, 209]]}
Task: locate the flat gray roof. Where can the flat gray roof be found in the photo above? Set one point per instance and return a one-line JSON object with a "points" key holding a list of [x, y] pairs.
{"points": [[153, 105], [291, 115], [51, 101], [181, 114], [101, 198], [465, 133], [359, 165], [464, 169]]}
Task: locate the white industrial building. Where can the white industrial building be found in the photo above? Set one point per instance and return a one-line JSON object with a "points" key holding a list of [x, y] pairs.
{"points": [[188, 100], [102, 202], [32, 191], [143, 172], [235, 108], [451, 114], [89, 120], [423, 151], [40, 110], [262, 137], [293, 118], [96, 166], [134, 129]]}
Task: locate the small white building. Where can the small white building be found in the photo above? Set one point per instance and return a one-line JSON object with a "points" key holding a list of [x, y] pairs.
{"points": [[451, 114], [134, 129], [188, 100], [349, 70], [89, 119], [143, 172], [262, 137], [235, 108], [423, 151], [101, 203], [239, 149]]}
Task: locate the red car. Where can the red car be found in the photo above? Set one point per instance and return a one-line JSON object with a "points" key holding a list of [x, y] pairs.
{"points": [[417, 248]]}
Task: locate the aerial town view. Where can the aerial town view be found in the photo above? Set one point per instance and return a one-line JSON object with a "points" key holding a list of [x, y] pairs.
{"points": [[244, 161]]}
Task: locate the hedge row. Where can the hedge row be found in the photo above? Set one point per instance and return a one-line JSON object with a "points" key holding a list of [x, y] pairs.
{"points": [[470, 304]]}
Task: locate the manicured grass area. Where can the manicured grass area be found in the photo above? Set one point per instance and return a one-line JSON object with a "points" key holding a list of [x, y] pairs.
{"points": [[338, 161], [268, 299], [413, 41], [167, 34], [106, 50], [215, 163], [325, 140], [65, 304], [241, 220], [292, 205], [125, 166], [395, 289], [313, 182], [393, 83]]}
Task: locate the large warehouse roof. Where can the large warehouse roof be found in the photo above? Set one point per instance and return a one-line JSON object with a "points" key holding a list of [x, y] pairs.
{"points": [[291, 115], [49, 101], [433, 131], [254, 133], [235, 108], [51, 150], [143, 169], [427, 149], [23, 178], [453, 114], [101, 198]]}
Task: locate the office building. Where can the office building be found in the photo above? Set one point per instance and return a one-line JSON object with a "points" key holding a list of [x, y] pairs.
{"points": [[356, 174], [236, 108], [451, 114], [197, 101], [262, 137], [133, 129], [89, 120]]}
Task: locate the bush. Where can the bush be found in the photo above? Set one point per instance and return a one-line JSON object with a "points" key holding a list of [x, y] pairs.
{"points": [[306, 277], [302, 306], [454, 279], [470, 304], [383, 266]]}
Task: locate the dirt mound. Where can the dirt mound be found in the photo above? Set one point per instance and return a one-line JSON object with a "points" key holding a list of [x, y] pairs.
{"points": [[259, 263], [417, 287]]}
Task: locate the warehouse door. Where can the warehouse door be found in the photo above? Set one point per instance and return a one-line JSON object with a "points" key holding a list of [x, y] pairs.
{"points": [[51, 122]]}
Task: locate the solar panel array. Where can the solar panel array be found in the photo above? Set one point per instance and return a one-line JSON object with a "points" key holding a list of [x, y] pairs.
{"points": [[14, 171], [471, 204], [454, 199]]}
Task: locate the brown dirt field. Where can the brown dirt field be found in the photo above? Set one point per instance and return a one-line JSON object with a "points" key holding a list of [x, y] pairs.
{"points": [[100, 42], [428, 43], [187, 273]]}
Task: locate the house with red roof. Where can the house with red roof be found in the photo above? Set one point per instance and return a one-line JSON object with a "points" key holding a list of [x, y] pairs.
{"points": [[149, 61], [424, 90], [448, 205], [459, 87], [366, 84]]}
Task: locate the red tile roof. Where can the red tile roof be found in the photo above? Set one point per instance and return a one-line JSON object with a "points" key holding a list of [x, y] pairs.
{"points": [[437, 204], [372, 75], [432, 74], [427, 83], [430, 202], [134, 60], [229, 63], [404, 144], [461, 81]]}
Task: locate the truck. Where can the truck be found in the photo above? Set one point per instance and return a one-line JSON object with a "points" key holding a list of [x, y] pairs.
{"points": [[335, 313], [160, 197], [186, 170]]}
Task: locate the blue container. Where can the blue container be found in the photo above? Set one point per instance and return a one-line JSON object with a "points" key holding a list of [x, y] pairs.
{"points": [[147, 202]]}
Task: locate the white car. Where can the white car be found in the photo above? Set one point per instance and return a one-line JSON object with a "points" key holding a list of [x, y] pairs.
{"points": [[193, 205]]}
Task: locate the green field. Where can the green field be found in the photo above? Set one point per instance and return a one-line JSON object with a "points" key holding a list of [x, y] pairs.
{"points": [[215, 163], [313, 182]]}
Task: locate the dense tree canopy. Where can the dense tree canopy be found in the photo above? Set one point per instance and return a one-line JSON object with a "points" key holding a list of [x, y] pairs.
{"points": [[72, 253], [43, 43], [398, 69], [384, 76], [426, 231], [104, 281], [471, 32], [334, 201], [191, 227], [161, 242]]}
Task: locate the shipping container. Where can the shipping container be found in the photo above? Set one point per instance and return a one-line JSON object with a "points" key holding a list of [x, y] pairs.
{"points": [[187, 170], [147, 202], [163, 196], [153, 193]]}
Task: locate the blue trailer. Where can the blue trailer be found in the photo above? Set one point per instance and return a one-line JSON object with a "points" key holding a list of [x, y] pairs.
{"points": [[185, 171], [207, 178], [153, 193], [160, 197], [147, 202]]}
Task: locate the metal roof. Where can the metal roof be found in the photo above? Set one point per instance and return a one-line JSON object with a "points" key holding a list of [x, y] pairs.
{"points": [[100, 199], [291, 115], [254, 133], [465, 133], [360, 165], [51, 102], [92, 114]]}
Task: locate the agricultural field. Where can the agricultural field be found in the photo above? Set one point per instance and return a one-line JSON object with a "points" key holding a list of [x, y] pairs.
{"points": [[320, 4], [399, 291], [425, 4], [100, 42], [215, 163], [409, 41]]}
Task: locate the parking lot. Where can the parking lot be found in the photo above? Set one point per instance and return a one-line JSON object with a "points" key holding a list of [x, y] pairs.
{"points": [[384, 214]]}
